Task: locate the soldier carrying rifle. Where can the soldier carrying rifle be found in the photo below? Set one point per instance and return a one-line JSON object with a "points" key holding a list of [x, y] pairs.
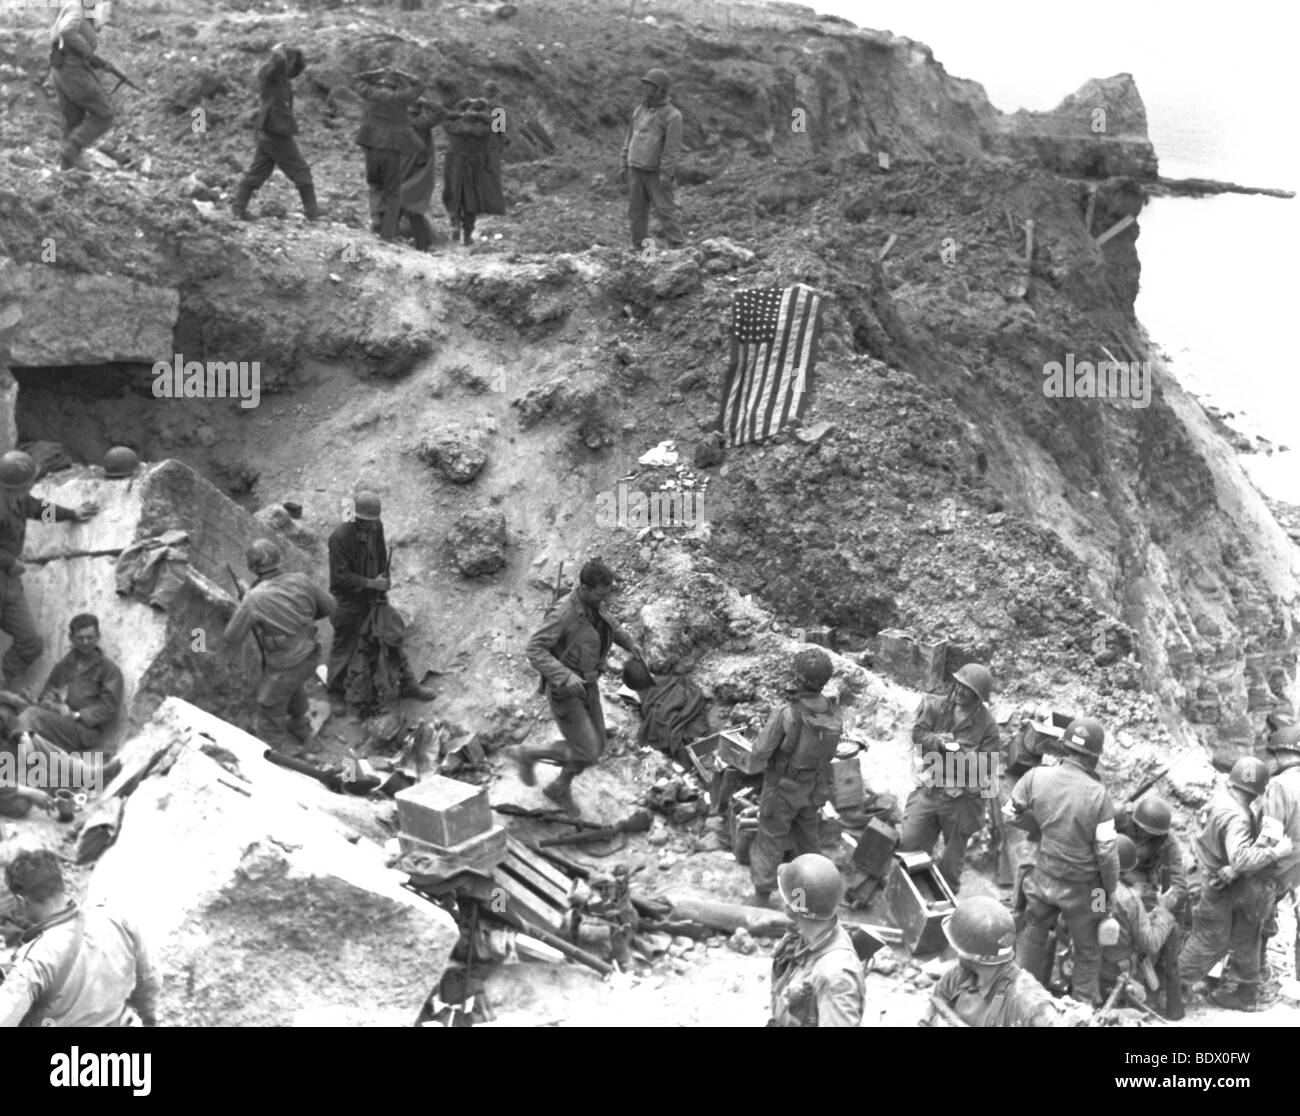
{"points": [[87, 114]]}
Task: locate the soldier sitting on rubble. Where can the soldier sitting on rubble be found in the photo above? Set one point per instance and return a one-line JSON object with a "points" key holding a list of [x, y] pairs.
{"points": [[82, 696], [16, 798], [673, 712]]}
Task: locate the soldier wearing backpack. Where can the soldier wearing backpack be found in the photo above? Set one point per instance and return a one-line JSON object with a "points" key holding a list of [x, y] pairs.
{"points": [[798, 742]]}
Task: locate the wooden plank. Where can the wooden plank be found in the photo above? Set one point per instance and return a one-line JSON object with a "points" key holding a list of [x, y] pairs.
{"points": [[527, 905], [540, 865], [893, 239], [1092, 205], [537, 882]]}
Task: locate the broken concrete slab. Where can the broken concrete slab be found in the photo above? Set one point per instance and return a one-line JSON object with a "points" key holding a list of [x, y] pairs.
{"points": [[261, 909], [167, 636]]}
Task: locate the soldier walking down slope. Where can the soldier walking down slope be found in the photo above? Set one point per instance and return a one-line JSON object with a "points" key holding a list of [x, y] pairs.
{"points": [[1068, 809], [281, 610], [276, 128], [816, 975], [17, 506], [651, 151], [1236, 861], [796, 746], [389, 141], [472, 168], [951, 731], [569, 652], [87, 114], [986, 988]]}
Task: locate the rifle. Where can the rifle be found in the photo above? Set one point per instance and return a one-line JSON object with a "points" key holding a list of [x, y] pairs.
{"points": [[239, 594], [1146, 785], [998, 824], [103, 64], [946, 1013]]}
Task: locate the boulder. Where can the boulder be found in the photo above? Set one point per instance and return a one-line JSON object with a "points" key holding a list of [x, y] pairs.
{"points": [[260, 909], [458, 453], [477, 541]]}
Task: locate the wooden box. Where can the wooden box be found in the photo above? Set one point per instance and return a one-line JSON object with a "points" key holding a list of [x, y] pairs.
{"points": [[919, 900], [736, 751], [481, 853], [875, 851], [443, 812]]}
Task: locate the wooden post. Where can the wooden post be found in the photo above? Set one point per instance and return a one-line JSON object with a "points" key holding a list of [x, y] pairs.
{"points": [[1115, 229]]}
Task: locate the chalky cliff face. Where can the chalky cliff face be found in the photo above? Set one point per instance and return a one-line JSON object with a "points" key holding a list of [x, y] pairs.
{"points": [[1107, 553]]}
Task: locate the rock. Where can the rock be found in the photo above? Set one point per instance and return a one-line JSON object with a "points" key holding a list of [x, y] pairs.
{"points": [[506, 11], [726, 252], [261, 912], [625, 353], [670, 274], [1191, 779], [710, 451], [459, 454], [885, 963], [811, 435], [741, 941], [477, 541]]}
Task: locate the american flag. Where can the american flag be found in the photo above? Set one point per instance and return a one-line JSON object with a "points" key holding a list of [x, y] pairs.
{"points": [[773, 347]]}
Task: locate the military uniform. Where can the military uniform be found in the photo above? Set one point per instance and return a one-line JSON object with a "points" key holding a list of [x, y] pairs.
{"points": [[950, 806], [575, 639], [796, 784], [92, 688], [109, 973], [281, 609], [1007, 997], [1141, 934], [1162, 863], [390, 143], [650, 153], [276, 128], [1229, 918], [1281, 800], [1076, 867], [16, 617], [818, 984], [87, 113]]}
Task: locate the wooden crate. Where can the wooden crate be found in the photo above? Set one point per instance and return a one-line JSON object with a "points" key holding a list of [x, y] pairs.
{"points": [[919, 899], [479, 853], [535, 890], [443, 812]]}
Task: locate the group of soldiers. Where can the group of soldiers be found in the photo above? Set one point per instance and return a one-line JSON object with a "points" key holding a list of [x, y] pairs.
{"points": [[1100, 891], [396, 135]]}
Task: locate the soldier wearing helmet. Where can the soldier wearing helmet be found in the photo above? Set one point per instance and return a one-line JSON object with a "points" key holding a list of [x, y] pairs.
{"points": [[281, 609], [1281, 810], [359, 582], [569, 652], [795, 749], [17, 506], [951, 733], [651, 149], [1161, 871], [1068, 809], [1141, 935], [1237, 866], [986, 988], [816, 975]]}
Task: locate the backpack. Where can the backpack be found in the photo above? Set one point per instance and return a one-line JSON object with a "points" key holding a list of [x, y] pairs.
{"points": [[817, 737]]}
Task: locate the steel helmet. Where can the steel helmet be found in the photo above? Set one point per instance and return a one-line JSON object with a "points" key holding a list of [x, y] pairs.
{"points": [[981, 930], [811, 886], [1128, 853], [120, 462], [17, 471], [657, 77], [1154, 815], [1286, 739], [264, 556], [976, 677], [1249, 774], [814, 667], [366, 505], [1085, 735]]}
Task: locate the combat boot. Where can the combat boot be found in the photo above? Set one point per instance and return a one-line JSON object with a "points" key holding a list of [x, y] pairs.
{"points": [[1241, 998], [239, 207], [525, 763], [310, 209], [70, 157], [416, 692], [560, 793]]}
